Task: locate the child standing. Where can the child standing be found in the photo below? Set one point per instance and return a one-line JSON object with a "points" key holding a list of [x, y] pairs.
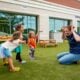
{"points": [[7, 47], [32, 44], [19, 48]]}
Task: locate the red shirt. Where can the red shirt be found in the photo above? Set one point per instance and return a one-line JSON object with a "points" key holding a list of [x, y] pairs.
{"points": [[32, 42]]}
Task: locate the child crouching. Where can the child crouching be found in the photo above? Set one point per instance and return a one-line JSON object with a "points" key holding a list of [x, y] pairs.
{"points": [[7, 47]]}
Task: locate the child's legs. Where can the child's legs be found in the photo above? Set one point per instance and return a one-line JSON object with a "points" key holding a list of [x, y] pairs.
{"points": [[31, 52], [61, 55], [11, 66], [8, 55], [69, 58], [10, 61], [18, 53], [18, 57], [5, 61]]}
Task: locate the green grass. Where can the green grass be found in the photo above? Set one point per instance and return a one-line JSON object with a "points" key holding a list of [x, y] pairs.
{"points": [[44, 67]]}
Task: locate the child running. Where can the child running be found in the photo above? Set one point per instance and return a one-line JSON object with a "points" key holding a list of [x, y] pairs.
{"points": [[32, 44], [7, 47], [19, 48]]}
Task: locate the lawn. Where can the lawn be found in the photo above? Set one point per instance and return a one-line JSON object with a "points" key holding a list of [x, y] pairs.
{"points": [[44, 67]]}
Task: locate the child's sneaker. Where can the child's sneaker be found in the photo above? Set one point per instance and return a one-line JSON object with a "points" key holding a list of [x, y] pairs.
{"points": [[32, 58], [16, 69], [23, 62]]}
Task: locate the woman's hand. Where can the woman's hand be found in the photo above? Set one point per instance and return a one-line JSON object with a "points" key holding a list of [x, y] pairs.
{"points": [[76, 36], [72, 29]]}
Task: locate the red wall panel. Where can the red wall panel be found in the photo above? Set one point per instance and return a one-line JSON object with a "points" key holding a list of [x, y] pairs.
{"points": [[70, 3]]}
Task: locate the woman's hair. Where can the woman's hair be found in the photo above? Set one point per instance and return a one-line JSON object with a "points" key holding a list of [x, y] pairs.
{"points": [[69, 28], [18, 27], [63, 36], [16, 35]]}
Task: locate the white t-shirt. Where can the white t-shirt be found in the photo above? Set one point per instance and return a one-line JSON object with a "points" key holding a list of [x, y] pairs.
{"points": [[11, 45]]}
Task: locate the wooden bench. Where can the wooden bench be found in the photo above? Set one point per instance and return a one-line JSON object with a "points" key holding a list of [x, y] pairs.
{"points": [[47, 43], [4, 38]]}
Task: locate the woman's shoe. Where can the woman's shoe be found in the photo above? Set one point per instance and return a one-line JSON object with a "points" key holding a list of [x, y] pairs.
{"points": [[75, 62]]}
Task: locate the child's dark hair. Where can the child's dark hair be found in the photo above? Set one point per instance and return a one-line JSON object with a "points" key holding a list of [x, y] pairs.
{"points": [[16, 35], [18, 27]]}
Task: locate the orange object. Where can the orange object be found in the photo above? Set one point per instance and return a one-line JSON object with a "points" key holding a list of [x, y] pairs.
{"points": [[4, 38], [32, 42]]}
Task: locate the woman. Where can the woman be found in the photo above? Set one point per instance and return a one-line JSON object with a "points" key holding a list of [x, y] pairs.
{"points": [[19, 48], [74, 47]]}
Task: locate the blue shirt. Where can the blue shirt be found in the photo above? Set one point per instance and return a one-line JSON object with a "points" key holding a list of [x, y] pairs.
{"points": [[74, 45]]}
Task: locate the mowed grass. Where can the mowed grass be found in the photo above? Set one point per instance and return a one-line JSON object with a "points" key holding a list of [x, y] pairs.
{"points": [[44, 67]]}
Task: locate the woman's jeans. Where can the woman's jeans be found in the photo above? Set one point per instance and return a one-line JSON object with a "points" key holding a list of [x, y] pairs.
{"points": [[68, 58]]}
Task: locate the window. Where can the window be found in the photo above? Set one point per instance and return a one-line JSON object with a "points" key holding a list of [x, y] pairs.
{"points": [[30, 23], [52, 24], [9, 20], [78, 26], [56, 24]]}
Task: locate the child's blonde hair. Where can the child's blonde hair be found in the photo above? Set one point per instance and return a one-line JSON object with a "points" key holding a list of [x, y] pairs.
{"points": [[30, 33]]}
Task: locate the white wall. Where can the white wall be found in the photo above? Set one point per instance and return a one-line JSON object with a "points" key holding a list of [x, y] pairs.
{"points": [[43, 10], [44, 27], [58, 36]]}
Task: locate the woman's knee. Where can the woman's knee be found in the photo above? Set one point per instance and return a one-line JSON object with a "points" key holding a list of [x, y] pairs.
{"points": [[64, 61], [61, 55], [61, 61]]}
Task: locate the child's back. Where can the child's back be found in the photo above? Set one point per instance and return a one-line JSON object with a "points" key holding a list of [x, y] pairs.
{"points": [[11, 45]]}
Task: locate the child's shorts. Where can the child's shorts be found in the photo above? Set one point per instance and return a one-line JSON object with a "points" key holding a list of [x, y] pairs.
{"points": [[4, 53]]}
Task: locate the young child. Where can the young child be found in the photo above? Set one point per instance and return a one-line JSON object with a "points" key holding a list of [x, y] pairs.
{"points": [[32, 44], [19, 48], [7, 47]]}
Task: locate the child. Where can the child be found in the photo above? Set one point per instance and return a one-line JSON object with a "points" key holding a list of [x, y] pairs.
{"points": [[32, 44], [7, 47], [19, 48]]}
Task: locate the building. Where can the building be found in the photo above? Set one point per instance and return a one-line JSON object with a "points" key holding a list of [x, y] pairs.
{"points": [[44, 16]]}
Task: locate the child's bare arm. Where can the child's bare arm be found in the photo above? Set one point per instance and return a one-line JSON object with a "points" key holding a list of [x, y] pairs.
{"points": [[37, 34], [22, 41]]}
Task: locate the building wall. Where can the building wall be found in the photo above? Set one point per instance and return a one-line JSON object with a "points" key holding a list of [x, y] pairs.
{"points": [[43, 10]]}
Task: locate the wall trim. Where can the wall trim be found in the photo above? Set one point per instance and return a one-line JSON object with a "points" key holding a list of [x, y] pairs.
{"points": [[45, 6]]}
